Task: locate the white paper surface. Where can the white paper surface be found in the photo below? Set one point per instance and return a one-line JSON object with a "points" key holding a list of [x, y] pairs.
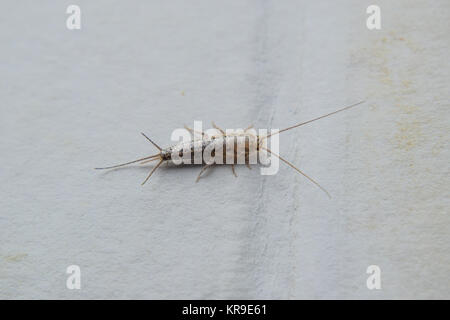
{"points": [[75, 100]]}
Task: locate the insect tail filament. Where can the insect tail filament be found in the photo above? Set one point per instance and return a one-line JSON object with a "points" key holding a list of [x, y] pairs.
{"points": [[153, 157], [153, 170]]}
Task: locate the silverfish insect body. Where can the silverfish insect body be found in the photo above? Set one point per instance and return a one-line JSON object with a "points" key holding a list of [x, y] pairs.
{"points": [[242, 145]]}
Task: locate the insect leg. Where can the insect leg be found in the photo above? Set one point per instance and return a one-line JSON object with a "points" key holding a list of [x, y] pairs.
{"points": [[234, 171], [193, 132], [216, 127], [247, 159], [203, 170], [248, 128]]}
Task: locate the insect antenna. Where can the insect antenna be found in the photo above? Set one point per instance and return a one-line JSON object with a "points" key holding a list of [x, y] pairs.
{"points": [[312, 120], [298, 170], [153, 170]]}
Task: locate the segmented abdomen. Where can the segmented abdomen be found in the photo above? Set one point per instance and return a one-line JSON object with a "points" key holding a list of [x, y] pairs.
{"points": [[236, 149]]}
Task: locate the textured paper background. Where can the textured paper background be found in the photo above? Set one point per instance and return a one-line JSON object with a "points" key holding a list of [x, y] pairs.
{"points": [[74, 100]]}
